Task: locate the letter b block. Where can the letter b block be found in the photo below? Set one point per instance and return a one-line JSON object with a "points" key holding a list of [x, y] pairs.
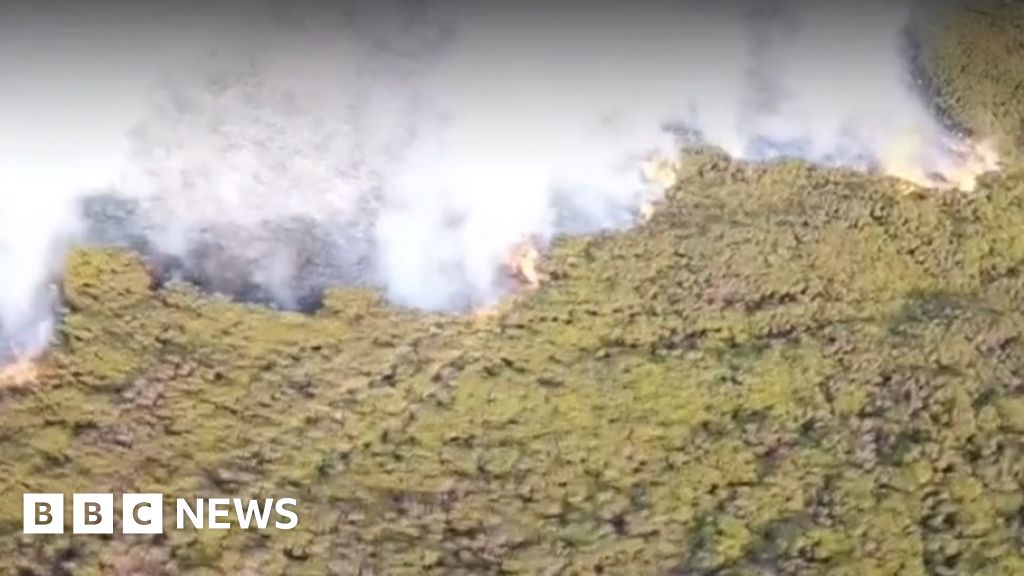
{"points": [[92, 514], [43, 513]]}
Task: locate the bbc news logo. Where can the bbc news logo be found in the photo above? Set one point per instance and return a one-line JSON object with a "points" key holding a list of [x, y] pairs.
{"points": [[144, 513]]}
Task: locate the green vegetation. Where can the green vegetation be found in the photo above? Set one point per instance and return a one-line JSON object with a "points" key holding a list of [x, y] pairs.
{"points": [[975, 58], [789, 370]]}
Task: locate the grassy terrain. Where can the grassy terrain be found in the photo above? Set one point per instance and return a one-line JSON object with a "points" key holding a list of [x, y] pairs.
{"points": [[975, 57], [789, 370]]}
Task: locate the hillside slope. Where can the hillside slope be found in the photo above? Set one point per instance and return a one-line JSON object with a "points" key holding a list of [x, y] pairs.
{"points": [[788, 370]]}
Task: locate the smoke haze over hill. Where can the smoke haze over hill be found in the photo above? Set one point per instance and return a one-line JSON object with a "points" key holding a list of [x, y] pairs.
{"points": [[275, 148]]}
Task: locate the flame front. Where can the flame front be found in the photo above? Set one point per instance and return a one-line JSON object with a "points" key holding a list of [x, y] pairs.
{"points": [[911, 157], [958, 166], [661, 174], [19, 373], [522, 264]]}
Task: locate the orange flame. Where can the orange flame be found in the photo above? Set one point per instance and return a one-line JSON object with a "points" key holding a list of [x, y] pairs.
{"points": [[19, 373], [967, 161], [522, 264], [662, 174]]}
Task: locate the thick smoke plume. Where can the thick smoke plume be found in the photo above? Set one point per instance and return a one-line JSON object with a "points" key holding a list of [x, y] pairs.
{"points": [[270, 149]]}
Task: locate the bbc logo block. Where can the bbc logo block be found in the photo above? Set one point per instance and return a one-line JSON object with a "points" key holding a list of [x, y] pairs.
{"points": [[43, 513], [142, 513], [93, 513]]}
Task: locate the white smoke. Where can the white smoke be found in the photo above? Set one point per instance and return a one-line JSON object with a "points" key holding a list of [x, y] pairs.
{"points": [[277, 146]]}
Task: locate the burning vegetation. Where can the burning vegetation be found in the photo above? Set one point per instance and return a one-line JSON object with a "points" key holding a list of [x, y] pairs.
{"points": [[18, 373], [791, 370], [523, 261], [783, 345], [522, 264], [964, 162]]}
